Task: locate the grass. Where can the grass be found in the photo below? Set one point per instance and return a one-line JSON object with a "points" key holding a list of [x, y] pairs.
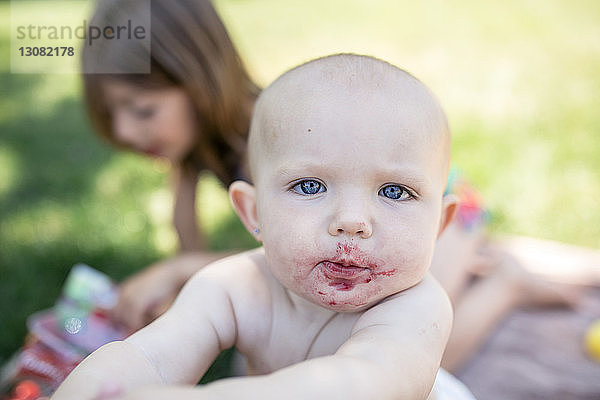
{"points": [[519, 80]]}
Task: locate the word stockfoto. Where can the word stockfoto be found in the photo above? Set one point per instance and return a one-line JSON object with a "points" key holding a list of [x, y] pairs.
{"points": [[83, 31]]}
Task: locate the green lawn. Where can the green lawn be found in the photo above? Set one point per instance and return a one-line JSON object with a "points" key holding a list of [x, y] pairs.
{"points": [[519, 79]]}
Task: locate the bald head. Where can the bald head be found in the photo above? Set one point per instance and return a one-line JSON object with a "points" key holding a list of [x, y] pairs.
{"points": [[300, 97]]}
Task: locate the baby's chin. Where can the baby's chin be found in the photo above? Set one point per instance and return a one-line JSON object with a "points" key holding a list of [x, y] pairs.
{"points": [[346, 307], [345, 298]]}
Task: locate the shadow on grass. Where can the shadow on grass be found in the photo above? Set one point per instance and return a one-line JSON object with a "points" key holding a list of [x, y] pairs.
{"points": [[231, 234]]}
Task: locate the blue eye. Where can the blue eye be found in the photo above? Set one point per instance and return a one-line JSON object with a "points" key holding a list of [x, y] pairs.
{"points": [[309, 187], [395, 192]]}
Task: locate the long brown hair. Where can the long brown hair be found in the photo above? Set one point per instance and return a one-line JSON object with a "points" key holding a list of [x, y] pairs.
{"points": [[189, 48]]}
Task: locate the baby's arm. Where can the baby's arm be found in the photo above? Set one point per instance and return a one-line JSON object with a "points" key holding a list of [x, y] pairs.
{"points": [[393, 353], [176, 348], [400, 343], [112, 369]]}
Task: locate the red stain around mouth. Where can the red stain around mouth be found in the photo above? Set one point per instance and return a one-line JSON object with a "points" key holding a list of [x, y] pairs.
{"points": [[352, 266], [346, 270], [348, 252]]}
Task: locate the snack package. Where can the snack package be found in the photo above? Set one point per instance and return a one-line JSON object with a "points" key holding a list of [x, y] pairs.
{"points": [[80, 313], [61, 337]]}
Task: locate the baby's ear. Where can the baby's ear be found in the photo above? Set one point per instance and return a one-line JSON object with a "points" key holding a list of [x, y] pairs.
{"points": [[243, 197], [449, 208]]}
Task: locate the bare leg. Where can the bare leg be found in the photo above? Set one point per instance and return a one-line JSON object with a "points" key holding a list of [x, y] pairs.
{"points": [[491, 298], [486, 281], [456, 254]]}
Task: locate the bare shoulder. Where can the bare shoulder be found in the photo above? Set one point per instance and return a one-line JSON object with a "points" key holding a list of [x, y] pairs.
{"points": [[240, 263], [425, 301], [243, 281], [241, 277], [404, 335], [213, 306], [416, 318]]}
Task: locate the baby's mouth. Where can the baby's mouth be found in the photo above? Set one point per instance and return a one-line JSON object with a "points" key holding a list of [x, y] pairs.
{"points": [[337, 271]]}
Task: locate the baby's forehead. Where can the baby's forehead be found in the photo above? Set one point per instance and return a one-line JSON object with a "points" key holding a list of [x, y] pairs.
{"points": [[308, 91], [331, 79]]}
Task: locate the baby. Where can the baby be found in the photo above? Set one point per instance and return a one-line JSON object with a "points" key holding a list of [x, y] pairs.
{"points": [[349, 159]]}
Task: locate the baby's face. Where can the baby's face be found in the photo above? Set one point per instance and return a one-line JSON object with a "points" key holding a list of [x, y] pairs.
{"points": [[349, 197]]}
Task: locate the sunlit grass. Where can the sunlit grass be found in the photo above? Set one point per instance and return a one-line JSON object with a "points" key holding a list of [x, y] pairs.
{"points": [[9, 170], [5, 36], [49, 89], [49, 221], [213, 203]]}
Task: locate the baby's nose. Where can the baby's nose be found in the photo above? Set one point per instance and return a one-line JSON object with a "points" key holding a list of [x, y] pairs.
{"points": [[352, 226]]}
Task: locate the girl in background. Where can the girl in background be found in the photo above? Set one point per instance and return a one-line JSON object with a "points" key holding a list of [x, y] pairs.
{"points": [[193, 109]]}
